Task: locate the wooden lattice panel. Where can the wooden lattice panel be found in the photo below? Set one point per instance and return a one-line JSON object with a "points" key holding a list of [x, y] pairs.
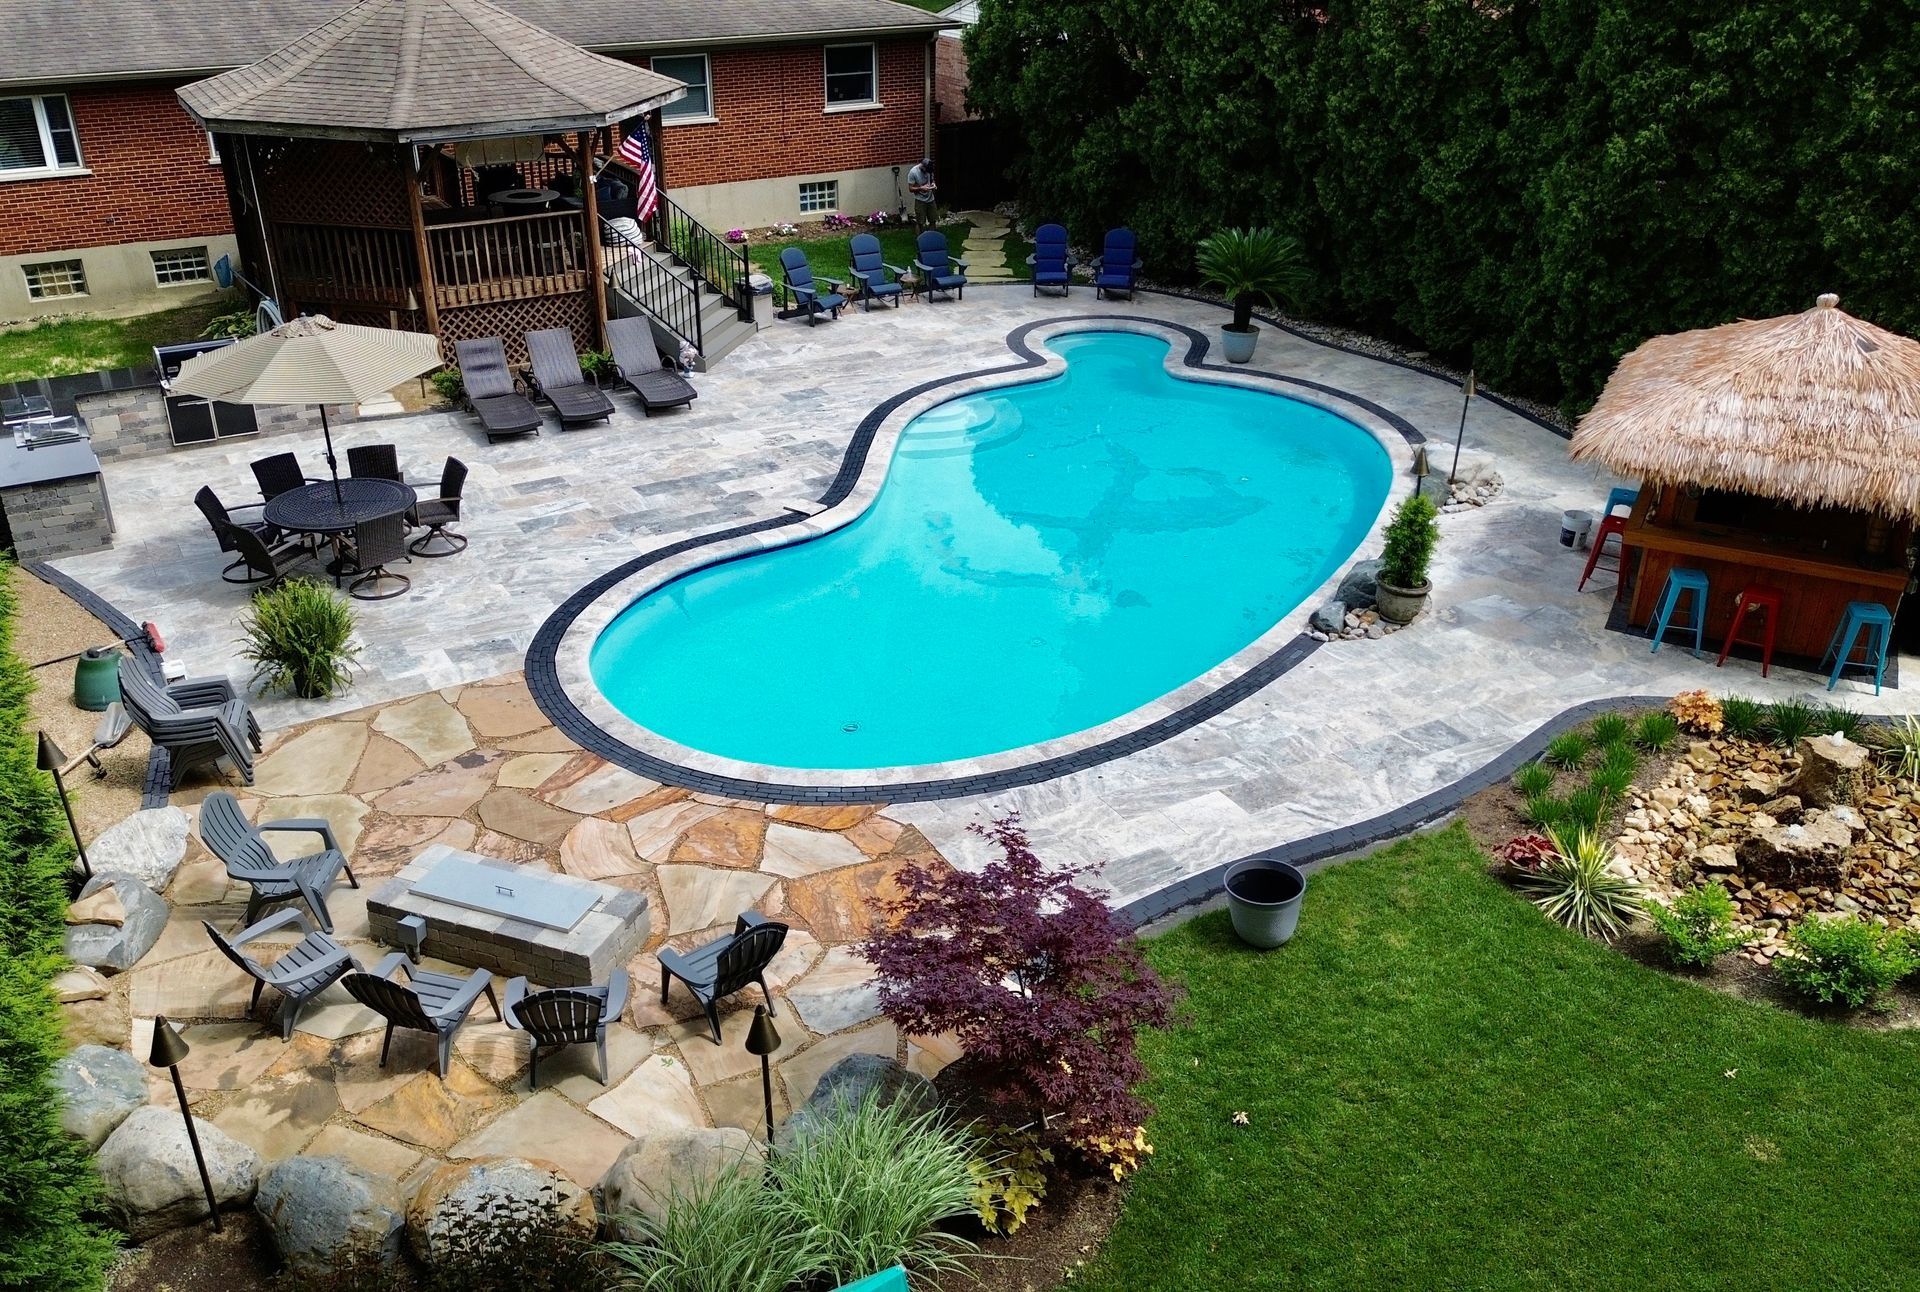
{"points": [[325, 181], [512, 320]]}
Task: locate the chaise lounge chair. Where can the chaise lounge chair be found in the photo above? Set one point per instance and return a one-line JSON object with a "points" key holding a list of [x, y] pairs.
{"points": [[243, 847], [940, 271], [492, 393], [637, 359], [1051, 260], [198, 721], [721, 968], [311, 965], [561, 381], [806, 288], [435, 1003], [566, 1016], [1114, 268], [871, 272]]}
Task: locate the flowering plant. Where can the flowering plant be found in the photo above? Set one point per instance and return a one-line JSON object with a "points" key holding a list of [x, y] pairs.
{"points": [[837, 221], [736, 235], [880, 217], [783, 230]]}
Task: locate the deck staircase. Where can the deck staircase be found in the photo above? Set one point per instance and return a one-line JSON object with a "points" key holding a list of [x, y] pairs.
{"points": [[694, 295]]}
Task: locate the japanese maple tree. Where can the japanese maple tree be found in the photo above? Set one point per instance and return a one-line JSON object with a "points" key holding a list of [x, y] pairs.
{"points": [[1039, 980]]}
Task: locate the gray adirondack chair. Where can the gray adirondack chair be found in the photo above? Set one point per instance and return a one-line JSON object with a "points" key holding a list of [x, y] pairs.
{"points": [[243, 847], [197, 721], [435, 1003], [306, 970], [563, 1016], [730, 964]]}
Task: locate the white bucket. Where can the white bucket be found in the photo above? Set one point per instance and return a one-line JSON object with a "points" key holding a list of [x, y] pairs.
{"points": [[1574, 528]]}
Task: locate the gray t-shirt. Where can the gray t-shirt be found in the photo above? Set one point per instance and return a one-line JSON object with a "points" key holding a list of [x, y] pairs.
{"points": [[920, 175]]}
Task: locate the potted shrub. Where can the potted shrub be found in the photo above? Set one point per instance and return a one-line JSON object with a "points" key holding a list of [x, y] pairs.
{"points": [[1249, 263], [1411, 535], [300, 635], [1263, 900]]}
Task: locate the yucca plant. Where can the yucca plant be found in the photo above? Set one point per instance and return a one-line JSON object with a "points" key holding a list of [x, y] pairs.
{"points": [[1656, 732], [1609, 729], [1250, 264], [1533, 779], [1898, 742], [1568, 749], [1790, 719], [1742, 717], [299, 635], [723, 1236], [1577, 887]]}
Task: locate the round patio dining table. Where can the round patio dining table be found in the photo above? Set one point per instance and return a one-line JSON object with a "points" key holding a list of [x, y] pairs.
{"points": [[314, 508], [530, 199]]}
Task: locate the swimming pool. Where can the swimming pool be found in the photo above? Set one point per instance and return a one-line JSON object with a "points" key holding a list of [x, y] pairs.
{"points": [[1041, 559]]}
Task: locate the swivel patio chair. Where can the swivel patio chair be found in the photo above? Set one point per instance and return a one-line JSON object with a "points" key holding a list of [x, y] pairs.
{"points": [[435, 1003], [566, 1016], [1051, 260], [1114, 268], [308, 968], [637, 359], [440, 513], [721, 968], [267, 562], [560, 380], [877, 280], [376, 543], [278, 474], [806, 288], [221, 518], [197, 722], [243, 848], [375, 462], [940, 270], [493, 393]]}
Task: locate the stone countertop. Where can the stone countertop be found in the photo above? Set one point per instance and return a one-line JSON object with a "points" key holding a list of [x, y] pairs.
{"points": [[21, 465]]}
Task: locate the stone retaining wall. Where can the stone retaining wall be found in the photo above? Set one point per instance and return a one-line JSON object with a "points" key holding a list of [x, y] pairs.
{"points": [[58, 518]]}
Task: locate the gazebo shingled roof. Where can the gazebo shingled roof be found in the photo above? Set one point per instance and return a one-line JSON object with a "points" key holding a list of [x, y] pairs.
{"points": [[406, 71], [1812, 409]]}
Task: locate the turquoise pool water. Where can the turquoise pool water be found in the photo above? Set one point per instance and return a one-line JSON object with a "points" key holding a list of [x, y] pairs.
{"points": [[1041, 559]]}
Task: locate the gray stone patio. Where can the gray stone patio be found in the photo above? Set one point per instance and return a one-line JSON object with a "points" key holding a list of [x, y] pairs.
{"points": [[1358, 729]]}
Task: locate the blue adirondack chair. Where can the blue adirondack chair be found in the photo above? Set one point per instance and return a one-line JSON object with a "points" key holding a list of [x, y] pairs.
{"points": [[874, 277], [1115, 266], [939, 270], [1050, 259], [806, 288]]}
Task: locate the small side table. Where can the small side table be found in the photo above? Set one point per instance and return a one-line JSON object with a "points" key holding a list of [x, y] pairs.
{"points": [[910, 283]]}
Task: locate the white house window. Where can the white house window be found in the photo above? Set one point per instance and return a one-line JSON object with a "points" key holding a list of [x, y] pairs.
{"points": [[178, 265], [852, 76], [818, 195], [53, 279], [698, 75], [37, 136]]}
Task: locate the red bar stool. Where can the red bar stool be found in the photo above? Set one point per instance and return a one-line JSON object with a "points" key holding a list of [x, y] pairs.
{"points": [[1765, 600], [1616, 526]]}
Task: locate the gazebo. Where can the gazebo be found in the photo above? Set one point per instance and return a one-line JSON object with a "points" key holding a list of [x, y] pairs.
{"points": [[1780, 452], [427, 165]]}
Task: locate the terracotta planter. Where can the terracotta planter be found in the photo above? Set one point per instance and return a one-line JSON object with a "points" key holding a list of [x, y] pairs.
{"points": [[1238, 346], [1400, 605]]}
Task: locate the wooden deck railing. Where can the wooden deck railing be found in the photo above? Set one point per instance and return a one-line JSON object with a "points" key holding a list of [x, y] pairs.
{"points": [[334, 263], [508, 259]]}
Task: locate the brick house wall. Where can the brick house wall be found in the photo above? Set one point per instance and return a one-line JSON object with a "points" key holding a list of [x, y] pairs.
{"points": [[151, 180], [770, 118], [950, 80]]}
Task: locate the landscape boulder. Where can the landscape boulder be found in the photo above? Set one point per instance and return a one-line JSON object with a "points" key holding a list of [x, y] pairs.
{"points": [[113, 948], [99, 1088], [1812, 851], [462, 1208], [149, 845], [1358, 586], [1829, 771], [329, 1216], [655, 1167], [147, 1176], [848, 1084], [1330, 617]]}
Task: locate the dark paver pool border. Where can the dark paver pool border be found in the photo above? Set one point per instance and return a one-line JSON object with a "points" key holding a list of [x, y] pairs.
{"points": [[542, 669]]}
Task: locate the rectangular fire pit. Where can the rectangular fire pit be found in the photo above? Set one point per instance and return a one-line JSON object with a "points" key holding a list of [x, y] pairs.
{"points": [[490, 914]]}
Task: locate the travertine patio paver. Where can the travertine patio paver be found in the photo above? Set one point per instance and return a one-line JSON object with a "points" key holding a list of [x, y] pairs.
{"points": [[839, 994], [548, 1127], [657, 1094], [431, 729], [320, 760]]}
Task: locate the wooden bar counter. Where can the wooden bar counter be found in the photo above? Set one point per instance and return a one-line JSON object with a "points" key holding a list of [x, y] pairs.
{"points": [[1860, 561]]}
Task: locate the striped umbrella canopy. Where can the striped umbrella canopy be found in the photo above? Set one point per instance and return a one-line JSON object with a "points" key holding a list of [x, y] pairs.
{"points": [[310, 360]]}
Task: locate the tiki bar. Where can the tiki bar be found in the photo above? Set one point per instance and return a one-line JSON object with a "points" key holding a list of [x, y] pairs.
{"points": [[1779, 462]]}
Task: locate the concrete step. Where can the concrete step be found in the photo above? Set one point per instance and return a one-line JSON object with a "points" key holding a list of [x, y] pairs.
{"points": [[723, 340]]}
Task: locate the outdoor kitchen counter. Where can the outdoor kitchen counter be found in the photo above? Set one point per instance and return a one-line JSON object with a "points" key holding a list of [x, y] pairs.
{"points": [[53, 498]]}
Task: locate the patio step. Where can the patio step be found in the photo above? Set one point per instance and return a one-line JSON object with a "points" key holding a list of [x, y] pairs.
{"points": [[724, 339]]}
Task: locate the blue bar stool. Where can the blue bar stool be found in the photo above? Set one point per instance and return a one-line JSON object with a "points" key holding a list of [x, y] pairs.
{"points": [[1871, 618], [1679, 581], [1624, 496]]}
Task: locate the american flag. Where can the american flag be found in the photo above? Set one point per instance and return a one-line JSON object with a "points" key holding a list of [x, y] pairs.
{"points": [[638, 153]]}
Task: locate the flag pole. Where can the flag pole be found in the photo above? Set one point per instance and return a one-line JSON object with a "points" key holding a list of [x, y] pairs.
{"points": [[1466, 399]]}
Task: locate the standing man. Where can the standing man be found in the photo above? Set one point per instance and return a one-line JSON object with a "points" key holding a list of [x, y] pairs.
{"points": [[920, 184]]}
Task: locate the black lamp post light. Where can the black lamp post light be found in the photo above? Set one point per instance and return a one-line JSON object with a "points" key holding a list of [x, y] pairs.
{"points": [[169, 1049], [763, 1040], [49, 758]]}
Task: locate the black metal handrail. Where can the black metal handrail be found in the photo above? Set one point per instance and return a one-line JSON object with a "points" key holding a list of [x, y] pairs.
{"points": [[723, 266], [672, 301]]}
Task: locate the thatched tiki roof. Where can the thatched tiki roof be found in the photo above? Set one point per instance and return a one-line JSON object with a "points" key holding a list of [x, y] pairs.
{"points": [[1814, 409]]}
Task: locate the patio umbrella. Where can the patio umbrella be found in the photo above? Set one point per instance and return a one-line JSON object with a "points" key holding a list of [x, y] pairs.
{"points": [[310, 360]]}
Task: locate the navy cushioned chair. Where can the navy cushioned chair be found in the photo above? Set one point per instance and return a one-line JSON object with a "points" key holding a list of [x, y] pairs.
{"points": [[806, 288], [1051, 259], [875, 277], [1114, 268], [940, 270]]}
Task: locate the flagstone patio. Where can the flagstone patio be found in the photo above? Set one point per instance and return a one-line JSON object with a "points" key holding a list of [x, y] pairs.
{"points": [[478, 767]]}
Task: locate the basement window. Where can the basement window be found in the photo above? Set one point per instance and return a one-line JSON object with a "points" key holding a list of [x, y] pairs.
{"points": [[178, 265], [54, 279], [818, 195]]}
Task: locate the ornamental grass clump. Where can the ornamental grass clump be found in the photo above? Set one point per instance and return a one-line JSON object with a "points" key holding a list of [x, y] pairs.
{"points": [[1898, 744], [1844, 961], [1743, 717], [1579, 888], [1533, 778], [1786, 721], [1609, 729], [1697, 927], [1656, 732], [299, 635], [1568, 750], [724, 1235]]}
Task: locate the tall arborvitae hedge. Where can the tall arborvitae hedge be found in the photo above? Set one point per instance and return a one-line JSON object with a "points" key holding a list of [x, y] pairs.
{"points": [[48, 1243], [1532, 188]]}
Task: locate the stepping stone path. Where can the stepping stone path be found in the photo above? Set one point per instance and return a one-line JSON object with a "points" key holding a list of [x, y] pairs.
{"points": [[985, 249], [477, 767]]}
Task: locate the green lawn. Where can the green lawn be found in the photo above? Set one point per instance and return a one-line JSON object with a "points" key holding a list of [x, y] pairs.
{"points": [[61, 348], [829, 257], [1446, 1091]]}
